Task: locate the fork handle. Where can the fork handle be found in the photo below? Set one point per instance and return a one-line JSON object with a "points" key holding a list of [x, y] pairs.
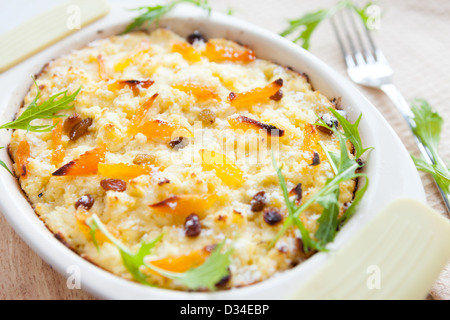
{"points": [[403, 107]]}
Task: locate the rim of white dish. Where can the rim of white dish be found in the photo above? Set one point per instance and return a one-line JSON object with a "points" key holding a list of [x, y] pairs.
{"points": [[390, 168]]}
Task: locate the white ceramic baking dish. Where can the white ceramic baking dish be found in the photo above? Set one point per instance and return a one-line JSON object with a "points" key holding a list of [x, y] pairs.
{"points": [[391, 171]]}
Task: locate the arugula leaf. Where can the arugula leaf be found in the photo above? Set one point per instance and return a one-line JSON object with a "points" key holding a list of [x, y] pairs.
{"points": [[328, 221], [132, 261], [4, 164], [442, 177], [307, 24], [428, 124], [291, 219], [362, 12], [356, 200], [351, 132], [203, 276], [428, 128], [344, 166], [153, 14], [45, 110]]}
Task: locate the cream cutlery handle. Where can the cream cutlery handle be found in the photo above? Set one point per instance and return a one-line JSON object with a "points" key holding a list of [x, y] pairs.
{"points": [[398, 255], [46, 29]]}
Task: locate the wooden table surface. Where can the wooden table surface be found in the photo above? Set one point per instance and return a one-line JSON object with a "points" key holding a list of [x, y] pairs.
{"points": [[414, 37]]}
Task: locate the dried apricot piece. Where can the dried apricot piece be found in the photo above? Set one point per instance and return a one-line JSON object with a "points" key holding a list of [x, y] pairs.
{"points": [[58, 152], [200, 91], [185, 204], [225, 169], [130, 59], [81, 216], [102, 73], [137, 119], [23, 154], [256, 95], [240, 122], [86, 164], [219, 53], [124, 171], [188, 52], [311, 139], [163, 130], [135, 85], [181, 263]]}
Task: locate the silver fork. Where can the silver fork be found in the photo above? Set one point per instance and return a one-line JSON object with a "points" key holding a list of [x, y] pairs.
{"points": [[367, 66]]}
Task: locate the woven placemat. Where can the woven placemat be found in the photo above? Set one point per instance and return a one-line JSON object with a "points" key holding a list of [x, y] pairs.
{"points": [[413, 36]]}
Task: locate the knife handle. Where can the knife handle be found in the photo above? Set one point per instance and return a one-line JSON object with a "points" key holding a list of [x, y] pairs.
{"points": [[48, 28]]}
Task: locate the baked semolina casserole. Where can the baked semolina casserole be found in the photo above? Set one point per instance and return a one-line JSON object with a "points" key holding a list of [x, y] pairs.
{"points": [[167, 157]]}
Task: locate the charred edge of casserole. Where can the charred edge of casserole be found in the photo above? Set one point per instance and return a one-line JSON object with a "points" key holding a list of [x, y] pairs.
{"points": [[355, 189], [61, 238], [43, 69], [337, 103], [22, 105], [302, 255], [300, 73], [19, 184], [90, 260]]}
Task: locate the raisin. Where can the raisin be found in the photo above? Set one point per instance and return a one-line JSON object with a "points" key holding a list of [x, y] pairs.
{"points": [[330, 121], [297, 190], [163, 181], [305, 253], [195, 36], [80, 129], [192, 225], [70, 122], [223, 282], [272, 216], [232, 96], [258, 201], [210, 247], [86, 202], [143, 158], [207, 116], [360, 162], [279, 82], [179, 143], [316, 159], [114, 185]]}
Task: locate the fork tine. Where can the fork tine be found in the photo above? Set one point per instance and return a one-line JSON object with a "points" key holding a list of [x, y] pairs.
{"points": [[357, 55], [368, 54], [378, 53], [347, 56]]}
